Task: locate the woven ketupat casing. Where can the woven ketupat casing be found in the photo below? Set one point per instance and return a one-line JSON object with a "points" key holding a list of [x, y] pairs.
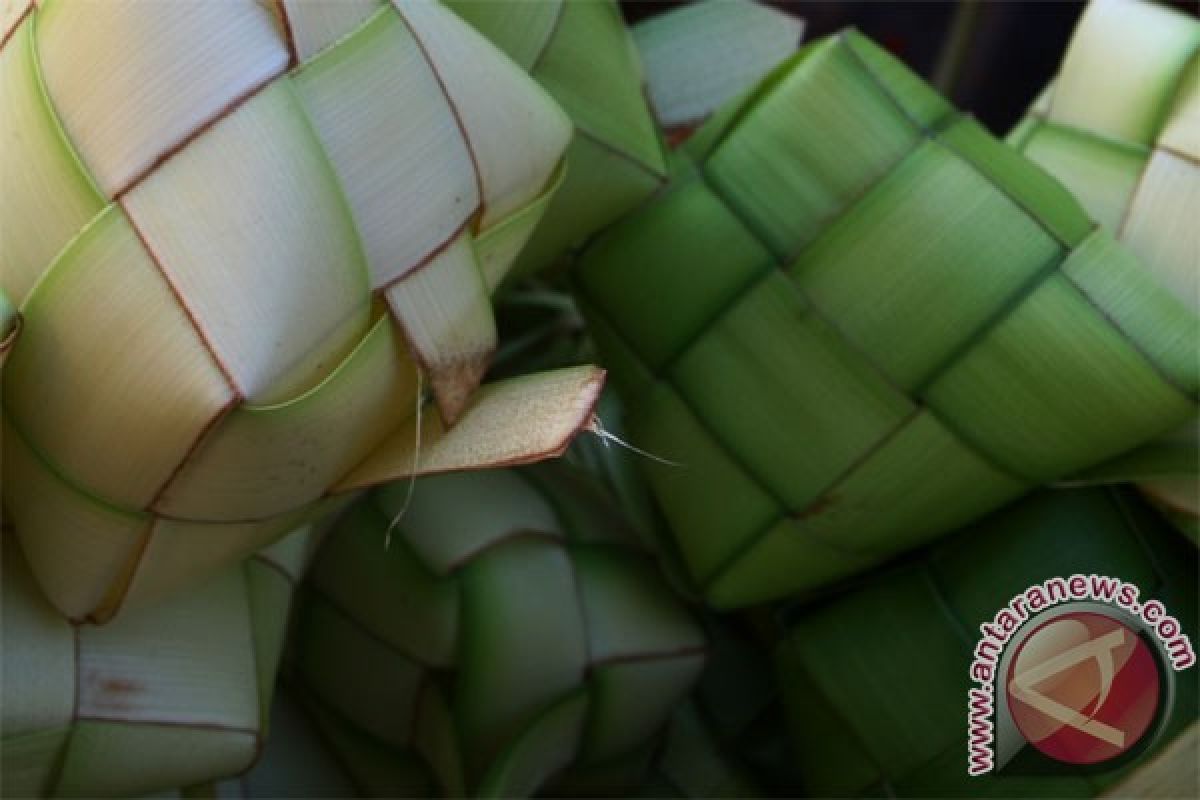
{"points": [[858, 321], [509, 632], [232, 279], [582, 54], [692, 60], [1120, 127], [700, 56], [163, 697], [876, 680]]}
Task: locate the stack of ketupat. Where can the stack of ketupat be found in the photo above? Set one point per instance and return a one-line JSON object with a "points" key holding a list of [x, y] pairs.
{"points": [[234, 286], [846, 321], [1120, 127], [859, 321]]}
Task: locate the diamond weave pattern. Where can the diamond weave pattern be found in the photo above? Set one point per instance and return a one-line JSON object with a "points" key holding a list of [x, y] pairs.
{"points": [[838, 389]]}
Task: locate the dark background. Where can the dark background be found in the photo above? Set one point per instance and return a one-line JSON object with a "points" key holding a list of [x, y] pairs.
{"points": [[990, 58]]}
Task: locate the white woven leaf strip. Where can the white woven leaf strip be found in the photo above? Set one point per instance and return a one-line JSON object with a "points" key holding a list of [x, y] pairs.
{"points": [[317, 24], [515, 130], [412, 190], [118, 401], [189, 62], [44, 188], [1121, 68], [269, 266], [1160, 225]]}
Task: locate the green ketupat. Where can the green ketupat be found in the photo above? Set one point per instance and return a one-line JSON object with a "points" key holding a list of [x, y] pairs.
{"points": [[1120, 127], [858, 321], [513, 636], [235, 281], [170, 695], [876, 679]]}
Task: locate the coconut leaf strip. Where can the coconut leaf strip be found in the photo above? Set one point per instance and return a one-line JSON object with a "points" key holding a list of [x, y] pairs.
{"points": [[701, 56], [314, 27], [445, 310], [122, 134], [516, 421], [514, 131], [408, 192], [267, 158], [260, 461], [48, 183]]}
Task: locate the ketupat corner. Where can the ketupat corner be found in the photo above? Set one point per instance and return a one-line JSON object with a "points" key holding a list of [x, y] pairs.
{"points": [[564, 398]]}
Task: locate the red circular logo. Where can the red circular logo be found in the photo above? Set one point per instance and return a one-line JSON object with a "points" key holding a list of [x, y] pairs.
{"points": [[1083, 688]]}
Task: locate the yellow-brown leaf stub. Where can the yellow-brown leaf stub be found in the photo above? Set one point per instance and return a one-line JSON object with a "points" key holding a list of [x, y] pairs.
{"points": [[511, 422], [230, 279]]}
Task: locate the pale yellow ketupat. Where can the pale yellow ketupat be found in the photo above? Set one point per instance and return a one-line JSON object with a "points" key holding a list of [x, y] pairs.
{"points": [[1120, 127], [243, 238]]}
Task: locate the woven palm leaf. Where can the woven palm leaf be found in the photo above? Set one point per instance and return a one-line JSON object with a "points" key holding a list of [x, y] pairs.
{"points": [[298, 761], [702, 55], [168, 696], [875, 680], [582, 53], [236, 279], [1120, 127], [511, 630], [857, 321], [295, 762]]}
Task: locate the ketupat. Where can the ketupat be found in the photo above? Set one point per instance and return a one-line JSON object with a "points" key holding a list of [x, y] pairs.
{"points": [[582, 53], [1120, 127], [858, 321], [175, 694], [875, 679], [234, 281], [512, 630]]}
